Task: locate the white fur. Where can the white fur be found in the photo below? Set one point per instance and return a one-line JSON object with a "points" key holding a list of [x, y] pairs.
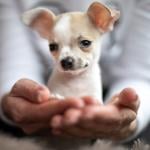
{"points": [[74, 83], [62, 29], [85, 84]]}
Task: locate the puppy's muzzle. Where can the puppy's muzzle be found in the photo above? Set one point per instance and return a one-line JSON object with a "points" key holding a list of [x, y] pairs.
{"points": [[67, 63]]}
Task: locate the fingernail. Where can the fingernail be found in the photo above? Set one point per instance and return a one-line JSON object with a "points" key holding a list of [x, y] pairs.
{"points": [[41, 88], [42, 94]]}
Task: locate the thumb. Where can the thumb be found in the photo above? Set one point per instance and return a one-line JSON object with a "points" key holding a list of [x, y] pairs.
{"points": [[30, 90], [129, 98]]}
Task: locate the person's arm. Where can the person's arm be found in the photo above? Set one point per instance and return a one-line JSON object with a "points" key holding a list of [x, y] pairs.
{"points": [[132, 69], [18, 58]]}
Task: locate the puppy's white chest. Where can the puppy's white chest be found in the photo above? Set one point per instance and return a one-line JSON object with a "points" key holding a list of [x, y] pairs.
{"points": [[87, 84]]}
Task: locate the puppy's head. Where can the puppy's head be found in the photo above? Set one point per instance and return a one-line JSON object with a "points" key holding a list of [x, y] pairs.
{"points": [[74, 38]]}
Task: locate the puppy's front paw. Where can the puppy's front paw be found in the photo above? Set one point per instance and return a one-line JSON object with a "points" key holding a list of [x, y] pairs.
{"points": [[58, 96]]}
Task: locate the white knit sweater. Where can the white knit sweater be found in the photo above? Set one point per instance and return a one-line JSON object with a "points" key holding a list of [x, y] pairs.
{"points": [[125, 59]]}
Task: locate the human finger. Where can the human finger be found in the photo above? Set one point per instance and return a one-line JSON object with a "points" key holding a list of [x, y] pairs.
{"points": [[30, 90]]}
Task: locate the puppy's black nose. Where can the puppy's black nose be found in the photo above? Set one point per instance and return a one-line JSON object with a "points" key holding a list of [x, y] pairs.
{"points": [[67, 63]]}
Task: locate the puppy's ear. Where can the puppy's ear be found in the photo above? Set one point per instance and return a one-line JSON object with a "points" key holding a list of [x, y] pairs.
{"points": [[40, 19], [102, 17]]}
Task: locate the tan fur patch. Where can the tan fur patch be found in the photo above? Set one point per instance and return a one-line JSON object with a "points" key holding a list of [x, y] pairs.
{"points": [[81, 24], [43, 23]]}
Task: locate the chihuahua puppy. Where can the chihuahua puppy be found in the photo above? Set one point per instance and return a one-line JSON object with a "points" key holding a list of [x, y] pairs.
{"points": [[75, 40]]}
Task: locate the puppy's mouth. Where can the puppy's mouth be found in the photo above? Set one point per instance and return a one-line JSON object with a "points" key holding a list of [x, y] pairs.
{"points": [[69, 65], [75, 70]]}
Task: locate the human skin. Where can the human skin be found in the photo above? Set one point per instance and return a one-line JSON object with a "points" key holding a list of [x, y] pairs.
{"points": [[30, 106], [115, 121]]}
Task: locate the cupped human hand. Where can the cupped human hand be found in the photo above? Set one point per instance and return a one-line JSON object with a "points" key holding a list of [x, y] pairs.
{"points": [[30, 106], [116, 120]]}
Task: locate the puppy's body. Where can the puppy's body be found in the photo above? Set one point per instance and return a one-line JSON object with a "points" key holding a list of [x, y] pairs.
{"points": [[79, 81], [68, 85]]}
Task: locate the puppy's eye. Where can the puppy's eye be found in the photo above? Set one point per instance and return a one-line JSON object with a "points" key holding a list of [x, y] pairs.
{"points": [[53, 47], [85, 43]]}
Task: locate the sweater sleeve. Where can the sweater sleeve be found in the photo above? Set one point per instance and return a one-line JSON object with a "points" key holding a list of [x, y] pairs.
{"points": [[132, 68], [18, 58]]}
